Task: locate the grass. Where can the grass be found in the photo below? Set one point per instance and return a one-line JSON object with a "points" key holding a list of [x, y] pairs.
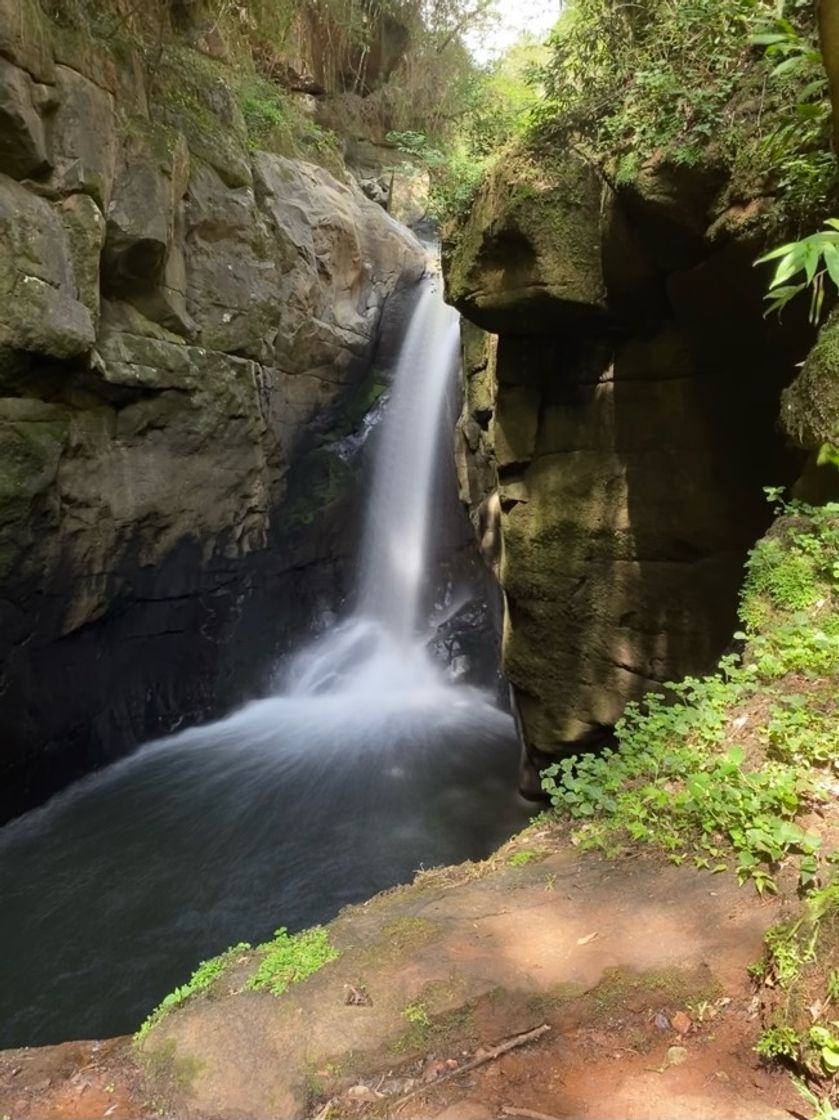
{"points": [[798, 983]]}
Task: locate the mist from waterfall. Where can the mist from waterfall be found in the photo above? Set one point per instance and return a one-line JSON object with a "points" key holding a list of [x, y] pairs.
{"points": [[366, 765]]}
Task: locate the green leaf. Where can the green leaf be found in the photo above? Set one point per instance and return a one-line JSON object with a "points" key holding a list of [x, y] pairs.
{"points": [[767, 38], [781, 250], [811, 259], [793, 262], [831, 260], [795, 62]]}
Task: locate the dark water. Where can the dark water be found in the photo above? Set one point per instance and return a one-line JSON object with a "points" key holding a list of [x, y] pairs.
{"points": [[114, 891]]}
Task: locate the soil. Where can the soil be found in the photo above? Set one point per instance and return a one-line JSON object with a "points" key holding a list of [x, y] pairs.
{"points": [[637, 968]]}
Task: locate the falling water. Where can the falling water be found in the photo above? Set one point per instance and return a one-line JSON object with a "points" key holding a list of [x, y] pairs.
{"points": [[394, 554], [366, 766]]}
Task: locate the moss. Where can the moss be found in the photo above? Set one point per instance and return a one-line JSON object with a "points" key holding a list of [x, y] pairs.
{"points": [[194, 95], [399, 938], [318, 480], [167, 1075], [427, 1029], [669, 987], [30, 451], [810, 406]]}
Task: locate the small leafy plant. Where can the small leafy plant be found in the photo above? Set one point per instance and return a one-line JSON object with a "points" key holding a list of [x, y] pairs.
{"points": [[817, 257], [204, 977], [289, 959], [679, 779]]}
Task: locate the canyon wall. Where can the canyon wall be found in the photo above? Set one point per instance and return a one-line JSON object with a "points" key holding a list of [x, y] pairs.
{"points": [[185, 320], [621, 417]]}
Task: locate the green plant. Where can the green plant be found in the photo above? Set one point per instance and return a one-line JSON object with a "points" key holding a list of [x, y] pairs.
{"points": [[454, 173], [417, 1015], [778, 1042], [734, 84], [817, 257], [204, 977], [525, 856], [822, 1105], [677, 777], [827, 1046], [289, 959]]}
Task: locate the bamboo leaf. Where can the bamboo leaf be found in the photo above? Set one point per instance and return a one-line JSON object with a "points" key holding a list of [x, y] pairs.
{"points": [[831, 260], [812, 256], [793, 262], [780, 251], [787, 66]]}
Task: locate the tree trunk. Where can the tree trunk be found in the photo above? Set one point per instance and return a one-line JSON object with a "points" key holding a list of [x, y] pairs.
{"points": [[829, 43]]}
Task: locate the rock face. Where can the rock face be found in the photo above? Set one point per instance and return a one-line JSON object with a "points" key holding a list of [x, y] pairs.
{"points": [[619, 430], [180, 321]]}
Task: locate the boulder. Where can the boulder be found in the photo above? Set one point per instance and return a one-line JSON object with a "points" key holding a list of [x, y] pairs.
{"points": [[23, 147], [84, 137], [527, 257], [40, 310], [25, 38], [151, 180]]}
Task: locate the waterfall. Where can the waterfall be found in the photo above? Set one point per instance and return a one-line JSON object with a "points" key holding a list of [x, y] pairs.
{"points": [[379, 645], [394, 552], [365, 765]]}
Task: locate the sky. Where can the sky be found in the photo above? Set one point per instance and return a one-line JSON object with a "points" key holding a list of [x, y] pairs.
{"points": [[516, 17]]}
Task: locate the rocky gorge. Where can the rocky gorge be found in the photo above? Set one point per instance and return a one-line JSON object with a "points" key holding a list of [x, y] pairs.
{"points": [[184, 317], [263, 685]]}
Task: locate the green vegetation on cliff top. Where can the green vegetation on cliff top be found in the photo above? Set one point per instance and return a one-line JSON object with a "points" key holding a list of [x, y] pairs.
{"points": [[736, 86]]}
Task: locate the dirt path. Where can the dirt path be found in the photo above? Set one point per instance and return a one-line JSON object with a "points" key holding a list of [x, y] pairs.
{"points": [[637, 968]]}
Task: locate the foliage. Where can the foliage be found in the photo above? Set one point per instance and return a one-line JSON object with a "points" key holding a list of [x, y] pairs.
{"points": [[289, 959], [417, 1014], [678, 777], [799, 983], [276, 121], [817, 256], [495, 103], [286, 960], [204, 977], [734, 83]]}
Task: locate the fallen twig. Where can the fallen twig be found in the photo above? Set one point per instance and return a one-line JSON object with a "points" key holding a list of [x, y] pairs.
{"points": [[527, 1112], [481, 1059]]}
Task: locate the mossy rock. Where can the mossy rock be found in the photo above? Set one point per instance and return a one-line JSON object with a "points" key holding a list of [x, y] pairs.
{"points": [[527, 258], [192, 95], [810, 406]]}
